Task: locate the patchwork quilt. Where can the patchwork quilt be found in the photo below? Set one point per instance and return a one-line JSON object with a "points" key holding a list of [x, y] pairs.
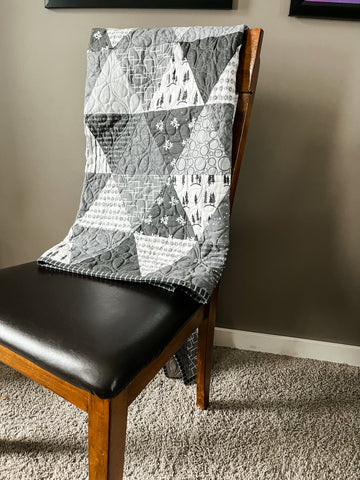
{"points": [[159, 109]]}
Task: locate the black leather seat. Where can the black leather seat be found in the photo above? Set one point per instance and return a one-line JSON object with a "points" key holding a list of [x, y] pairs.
{"points": [[103, 332]]}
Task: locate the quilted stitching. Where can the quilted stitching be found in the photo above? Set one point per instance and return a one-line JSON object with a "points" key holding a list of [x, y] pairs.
{"points": [[159, 109]]}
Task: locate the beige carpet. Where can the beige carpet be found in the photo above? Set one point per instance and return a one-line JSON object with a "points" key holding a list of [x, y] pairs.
{"points": [[271, 418]]}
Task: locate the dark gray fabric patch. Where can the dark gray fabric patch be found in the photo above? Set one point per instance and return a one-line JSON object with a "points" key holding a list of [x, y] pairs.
{"points": [[88, 242], [167, 217], [92, 187], [144, 55], [123, 256], [171, 129], [208, 58], [141, 156], [99, 40]]}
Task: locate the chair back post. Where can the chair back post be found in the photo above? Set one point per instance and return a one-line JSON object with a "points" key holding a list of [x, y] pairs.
{"points": [[247, 78]]}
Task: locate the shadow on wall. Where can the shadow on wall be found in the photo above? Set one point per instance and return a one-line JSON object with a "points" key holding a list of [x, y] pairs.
{"points": [[284, 273], [12, 195], [242, 5]]}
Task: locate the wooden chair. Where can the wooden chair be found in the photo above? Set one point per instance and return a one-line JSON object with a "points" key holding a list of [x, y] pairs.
{"points": [[50, 324]]}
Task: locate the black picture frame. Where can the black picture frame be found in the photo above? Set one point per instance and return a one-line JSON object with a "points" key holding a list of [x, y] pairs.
{"points": [[305, 8], [193, 4]]}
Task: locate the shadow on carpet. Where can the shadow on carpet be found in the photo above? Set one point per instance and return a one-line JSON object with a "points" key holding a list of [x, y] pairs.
{"points": [[271, 417]]}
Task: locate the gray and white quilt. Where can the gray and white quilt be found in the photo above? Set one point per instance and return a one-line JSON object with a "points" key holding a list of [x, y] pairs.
{"points": [[159, 110]]}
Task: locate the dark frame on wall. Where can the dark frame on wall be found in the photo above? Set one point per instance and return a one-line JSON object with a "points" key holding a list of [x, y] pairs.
{"points": [[327, 9], [202, 4]]}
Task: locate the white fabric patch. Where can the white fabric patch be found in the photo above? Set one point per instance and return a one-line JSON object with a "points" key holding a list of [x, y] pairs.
{"points": [[178, 87], [200, 196], [96, 159], [198, 33], [108, 211], [180, 32], [157, 252], [115, 34], [224, 90], [112, 92], [62, 251]]}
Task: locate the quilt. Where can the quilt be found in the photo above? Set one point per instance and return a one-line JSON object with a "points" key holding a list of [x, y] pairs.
{"points": [[158, 117]]}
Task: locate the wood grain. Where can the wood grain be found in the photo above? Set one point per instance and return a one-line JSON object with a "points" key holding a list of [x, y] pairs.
{"points": [[248, 74], [72, 394], [107, 437], [205, 350], [249, 61]]}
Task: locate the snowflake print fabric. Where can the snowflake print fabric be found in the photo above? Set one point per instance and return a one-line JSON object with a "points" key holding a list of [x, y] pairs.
{"points": [[159, 110]]}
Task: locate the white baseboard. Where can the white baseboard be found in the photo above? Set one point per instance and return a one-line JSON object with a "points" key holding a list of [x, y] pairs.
{"points": [[294, 347]]}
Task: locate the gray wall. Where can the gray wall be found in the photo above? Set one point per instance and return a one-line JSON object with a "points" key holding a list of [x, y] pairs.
{"points": [[294, 265]]}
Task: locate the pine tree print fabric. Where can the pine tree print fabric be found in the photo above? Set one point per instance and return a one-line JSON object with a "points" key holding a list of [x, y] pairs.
{"points": [[159, 109]]}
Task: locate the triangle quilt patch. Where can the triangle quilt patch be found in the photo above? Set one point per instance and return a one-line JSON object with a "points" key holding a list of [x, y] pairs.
{"points": [[155, 252], [112, 92], [208, 57], [107, 211], [171, 131], [167, 216], [204, 150], [116, 34], [107, 263], [136, 152], [224, 90], [145, 61], [96, 159], [111, 129], [138, 194], [88, 242], [200, 196], [178, 88]]}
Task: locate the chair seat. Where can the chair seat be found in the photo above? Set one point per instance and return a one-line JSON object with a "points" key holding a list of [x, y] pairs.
{"points": [[95, 334]]}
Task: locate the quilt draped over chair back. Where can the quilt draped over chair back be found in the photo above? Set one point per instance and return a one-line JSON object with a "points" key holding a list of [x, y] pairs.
{"points": [[159, 110]]}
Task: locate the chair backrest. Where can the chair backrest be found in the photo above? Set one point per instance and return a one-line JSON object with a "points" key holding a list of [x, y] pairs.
{"points": [[247, 77]]}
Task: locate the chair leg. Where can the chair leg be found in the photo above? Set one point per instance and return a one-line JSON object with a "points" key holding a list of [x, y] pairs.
{"points": [[204, 355], [107, 434]]}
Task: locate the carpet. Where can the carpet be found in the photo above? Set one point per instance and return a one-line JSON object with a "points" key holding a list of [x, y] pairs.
{"points": [[271, 418]]}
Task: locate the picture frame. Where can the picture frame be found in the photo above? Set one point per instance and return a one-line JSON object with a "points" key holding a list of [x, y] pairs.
{"points": [[349, 9], [191, 4]]}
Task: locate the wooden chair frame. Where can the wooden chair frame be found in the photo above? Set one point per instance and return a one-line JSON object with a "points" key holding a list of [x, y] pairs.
{"points": [[107, 418]]}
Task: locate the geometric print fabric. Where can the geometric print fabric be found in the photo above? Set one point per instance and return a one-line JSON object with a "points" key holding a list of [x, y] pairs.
{"points": [[159, 109], [201, 53]]}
